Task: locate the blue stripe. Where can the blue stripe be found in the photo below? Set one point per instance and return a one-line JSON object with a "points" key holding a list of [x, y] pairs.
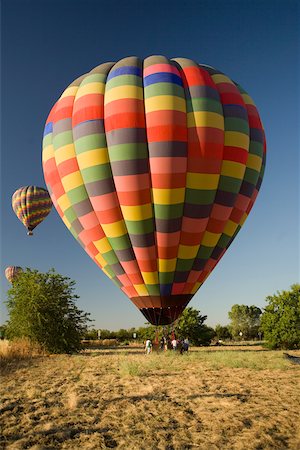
{"points": [[165, 289], [162, 77], [126, 70], [48, 128]]}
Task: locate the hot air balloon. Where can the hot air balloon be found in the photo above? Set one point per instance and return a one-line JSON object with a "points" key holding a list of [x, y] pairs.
{"points": [[12, 272], [154, 165], [31, 204]]}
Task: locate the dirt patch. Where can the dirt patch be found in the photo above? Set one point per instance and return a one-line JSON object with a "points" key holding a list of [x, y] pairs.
{"points": [[125, 400]]}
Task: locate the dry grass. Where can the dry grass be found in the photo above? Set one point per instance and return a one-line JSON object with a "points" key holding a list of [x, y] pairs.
{"points": [[14, 352], [210, 399]]}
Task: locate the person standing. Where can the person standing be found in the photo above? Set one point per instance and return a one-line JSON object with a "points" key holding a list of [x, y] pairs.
{"points": [[186, 345], [148, 347], [174, 344]]}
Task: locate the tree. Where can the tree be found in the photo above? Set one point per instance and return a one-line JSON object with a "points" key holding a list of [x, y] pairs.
{"points": [[191, 325], [245, 319], [42, 308], [222, 332], [280, 321]]}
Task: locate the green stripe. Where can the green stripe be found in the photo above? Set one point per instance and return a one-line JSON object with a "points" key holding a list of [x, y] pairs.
{"points": [[204, 104], [140, 226], [251, 176], [236, 124], [77, 194], [256, 148], [199, 196], [61, 139], [124, 80], [120, 243], [90, 142], [94, 78], [168, 211], [163, 89], [184, 265], [229, 184], [96, 173], [128, 152]]}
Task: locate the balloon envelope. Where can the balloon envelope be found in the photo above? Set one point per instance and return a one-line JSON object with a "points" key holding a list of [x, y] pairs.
{"points": [[154, 165], [31, 205], [12, 272]]}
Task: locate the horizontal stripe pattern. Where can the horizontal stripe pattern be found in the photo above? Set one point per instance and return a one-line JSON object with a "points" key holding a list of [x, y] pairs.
{"points": [[31, 205], [154, 165]]}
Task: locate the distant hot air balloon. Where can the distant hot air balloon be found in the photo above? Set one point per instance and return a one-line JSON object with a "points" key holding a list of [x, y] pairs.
{"points": [[31, 205], [154, 165], [12, 272]]}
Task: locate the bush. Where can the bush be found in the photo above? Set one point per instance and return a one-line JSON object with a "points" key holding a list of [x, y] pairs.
{"points": [[42, 308], [280, 321]]}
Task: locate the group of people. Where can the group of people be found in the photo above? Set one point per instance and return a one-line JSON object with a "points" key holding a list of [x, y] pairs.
{"points": [[166, 343]]}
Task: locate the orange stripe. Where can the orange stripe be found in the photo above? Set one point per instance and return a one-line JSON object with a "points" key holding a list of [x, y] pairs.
{"points": [[166, 133]]}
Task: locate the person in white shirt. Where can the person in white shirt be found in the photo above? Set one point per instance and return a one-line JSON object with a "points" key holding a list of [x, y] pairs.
{"points": [[148, 347], [174, 344]]}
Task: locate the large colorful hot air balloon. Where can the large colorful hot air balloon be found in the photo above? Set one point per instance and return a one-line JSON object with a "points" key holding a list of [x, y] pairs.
{"points": [[31, 205], [12, 272], [154, 165]]}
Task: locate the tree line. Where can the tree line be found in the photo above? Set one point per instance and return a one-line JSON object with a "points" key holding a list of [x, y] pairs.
{"points": [[42, 307]]}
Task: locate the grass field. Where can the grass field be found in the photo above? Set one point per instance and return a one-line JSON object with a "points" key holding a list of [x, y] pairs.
{"points": [[212, 398]]}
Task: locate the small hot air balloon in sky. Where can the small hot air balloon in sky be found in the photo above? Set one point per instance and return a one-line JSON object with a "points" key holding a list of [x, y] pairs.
{"points": [[31, 204], [154, 165], [12, 272]]}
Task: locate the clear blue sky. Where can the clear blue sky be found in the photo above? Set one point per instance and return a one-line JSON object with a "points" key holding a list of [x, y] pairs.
{"points": [[46, 44]]}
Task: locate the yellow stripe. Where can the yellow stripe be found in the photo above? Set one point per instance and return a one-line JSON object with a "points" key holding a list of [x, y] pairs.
{"points": [[219, 78], [140, 212], [101, 260], [245, 215], [233, 169], [48, 153], [195, 288], [165, 102], [106, 273], [64, 153], [66, 222], [120, 92], [167, 265], [230, 228], [236, 139], [70, 91], [254, 162], [115, 229], [150, 277], [205, 119], [63, 202], [248, 100], [141, 289], [202, 181], [92, 158], [103, 245], [187, 251], [72, 181], [168, 196], [210, 239], [90, 88]]}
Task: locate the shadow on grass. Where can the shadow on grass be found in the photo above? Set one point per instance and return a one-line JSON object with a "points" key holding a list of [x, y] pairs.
{"points": [[93, 352], [9, 367]]}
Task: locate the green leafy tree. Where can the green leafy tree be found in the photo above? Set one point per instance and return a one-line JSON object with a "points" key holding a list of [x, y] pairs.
{"points": [[3, 331], [222, 332], [191, 325], [245, 319], [42, 308], [280, 321]]}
